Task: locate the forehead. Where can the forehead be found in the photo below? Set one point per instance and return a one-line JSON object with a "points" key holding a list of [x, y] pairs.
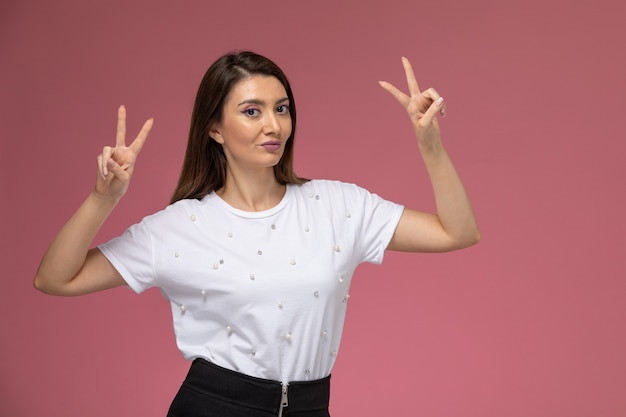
{"points": [[260, 87]]}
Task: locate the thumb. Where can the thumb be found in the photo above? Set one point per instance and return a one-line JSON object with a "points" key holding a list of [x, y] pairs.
{"points": [[432, 111], [118, 172]]}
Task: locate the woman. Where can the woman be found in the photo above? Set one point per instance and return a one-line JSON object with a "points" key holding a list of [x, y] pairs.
{"points": [[255, 261]]}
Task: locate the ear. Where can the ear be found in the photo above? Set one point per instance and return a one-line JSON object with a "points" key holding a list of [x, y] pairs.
{"points": [[214, 133]]}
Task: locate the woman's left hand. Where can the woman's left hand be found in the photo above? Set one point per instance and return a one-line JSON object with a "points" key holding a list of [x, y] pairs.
{"points": [[422, 107], [454, 225]]}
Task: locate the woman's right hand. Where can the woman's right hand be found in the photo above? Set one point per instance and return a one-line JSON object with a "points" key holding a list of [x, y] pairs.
{"points": [[69, 267], [116, 164]]}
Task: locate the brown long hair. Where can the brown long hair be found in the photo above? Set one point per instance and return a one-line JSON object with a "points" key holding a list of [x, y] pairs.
{"points": [[204, 166]]}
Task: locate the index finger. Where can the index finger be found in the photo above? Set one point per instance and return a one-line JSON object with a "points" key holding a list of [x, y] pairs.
{"points": [[410, 77], [142, 136], [120, 137]]}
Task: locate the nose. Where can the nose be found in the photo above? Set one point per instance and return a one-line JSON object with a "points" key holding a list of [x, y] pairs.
{"points": [[272, 125]]}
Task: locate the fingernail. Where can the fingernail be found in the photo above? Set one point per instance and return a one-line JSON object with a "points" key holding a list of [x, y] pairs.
{"points": [[105, 168], [439, 101]]}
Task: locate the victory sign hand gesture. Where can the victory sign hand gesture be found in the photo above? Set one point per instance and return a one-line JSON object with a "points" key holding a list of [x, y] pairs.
{"points": [[116, 164], [422, 107]]}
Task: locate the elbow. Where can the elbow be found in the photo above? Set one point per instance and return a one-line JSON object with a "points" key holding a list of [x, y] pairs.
{"points": [[473, 238], [43, 285], [476, 238], [469, 239], [40, 284]]}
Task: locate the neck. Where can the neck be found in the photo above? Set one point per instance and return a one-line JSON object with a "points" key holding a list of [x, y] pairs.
{"points": [[254, 191]]}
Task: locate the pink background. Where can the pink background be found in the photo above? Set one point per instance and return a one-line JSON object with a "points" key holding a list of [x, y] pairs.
{"points": [[528, 323]]}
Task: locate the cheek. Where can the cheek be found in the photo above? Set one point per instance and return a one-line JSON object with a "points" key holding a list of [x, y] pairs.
{"points": [[240, 134], [288, 128]]}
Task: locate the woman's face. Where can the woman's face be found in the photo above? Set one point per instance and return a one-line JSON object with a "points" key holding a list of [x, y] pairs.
{"points": [[255, 125]]}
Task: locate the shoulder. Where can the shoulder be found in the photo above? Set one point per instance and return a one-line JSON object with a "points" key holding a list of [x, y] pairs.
{"points": [[338, 195], [329, 187], [182, 209]]}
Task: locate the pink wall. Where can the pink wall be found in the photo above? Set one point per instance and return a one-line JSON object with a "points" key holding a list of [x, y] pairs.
{"points": [[528, 323]]}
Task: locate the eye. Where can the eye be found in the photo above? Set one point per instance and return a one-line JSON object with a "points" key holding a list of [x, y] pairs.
{"points": [[251, 112], [282, 109]]}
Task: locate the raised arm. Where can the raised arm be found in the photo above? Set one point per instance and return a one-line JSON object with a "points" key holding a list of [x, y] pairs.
{"points": [[454, 225], [69, 267]]}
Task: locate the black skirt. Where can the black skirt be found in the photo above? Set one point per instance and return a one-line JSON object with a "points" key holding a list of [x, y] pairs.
{"points": [[213, 391]]}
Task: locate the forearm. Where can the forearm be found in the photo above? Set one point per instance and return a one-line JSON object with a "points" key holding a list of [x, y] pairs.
{"points": [[454, 225], [67, 254], [454, 209]]}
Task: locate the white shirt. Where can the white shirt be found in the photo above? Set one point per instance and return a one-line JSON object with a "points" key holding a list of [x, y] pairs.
{"points": [[262, 293]]}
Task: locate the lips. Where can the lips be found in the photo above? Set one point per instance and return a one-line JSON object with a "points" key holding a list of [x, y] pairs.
{"points": [[271, 145]]}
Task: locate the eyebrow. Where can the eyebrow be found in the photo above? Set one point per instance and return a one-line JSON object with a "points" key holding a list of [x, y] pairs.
{"points": [[261, 102]]}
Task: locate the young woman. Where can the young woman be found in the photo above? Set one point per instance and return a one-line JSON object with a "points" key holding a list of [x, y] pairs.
{"points": [[255, 261]]}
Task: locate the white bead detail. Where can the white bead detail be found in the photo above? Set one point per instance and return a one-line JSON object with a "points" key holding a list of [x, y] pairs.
{"points": [[215, 266], [230, 234], [306, 228], [229, 330], [280, 305], [317, 197], [311, 195], [203, 292], [253, 352], [341, 278], [292, 261], [273, 227], [324, 333], [288, 337], [260, 252], [333, 353], [346, 298], [176, 254], [316, 293], [308, 372], [337, 248], [348, 215], [183, 308], [221, 261], [252, 277], [193, 218]]}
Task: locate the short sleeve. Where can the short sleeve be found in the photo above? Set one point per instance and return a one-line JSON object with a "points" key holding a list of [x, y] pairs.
{"points": [[374, 219], [378, 223], [132, 256]]}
